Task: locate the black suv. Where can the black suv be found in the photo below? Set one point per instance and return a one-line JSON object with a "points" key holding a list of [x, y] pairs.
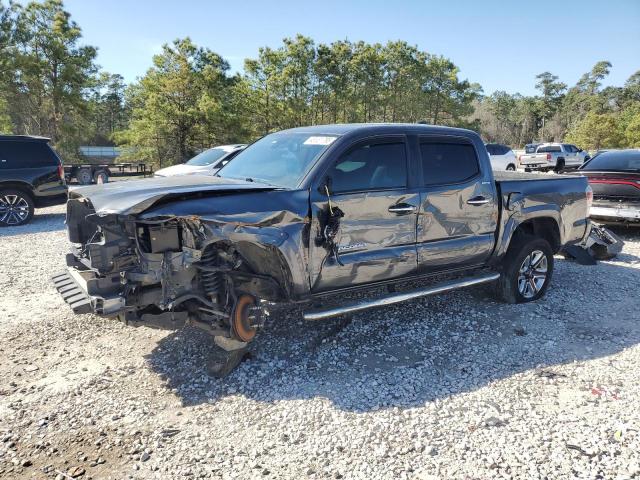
{"points": [[31, 176]]}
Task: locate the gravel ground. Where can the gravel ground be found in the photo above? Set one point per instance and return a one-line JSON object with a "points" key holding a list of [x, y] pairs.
{"points": [[455, 386]]}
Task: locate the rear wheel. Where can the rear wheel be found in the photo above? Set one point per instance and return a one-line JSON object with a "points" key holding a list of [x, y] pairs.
{"points": [[101, 176], [559, 165], [527, 270], [16, 208], [511, 167]]}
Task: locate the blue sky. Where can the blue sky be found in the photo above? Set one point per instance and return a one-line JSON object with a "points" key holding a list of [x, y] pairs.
{"points": [[500, 44]]}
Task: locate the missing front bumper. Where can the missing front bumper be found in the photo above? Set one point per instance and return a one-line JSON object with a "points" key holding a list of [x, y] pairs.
{"points": [[75, 289]]}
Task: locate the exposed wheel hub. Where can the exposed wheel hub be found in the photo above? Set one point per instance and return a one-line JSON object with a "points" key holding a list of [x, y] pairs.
{"points": [[246, 317]]}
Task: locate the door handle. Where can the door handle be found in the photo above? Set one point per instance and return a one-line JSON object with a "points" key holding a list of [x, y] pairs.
{"points": [[478, 201], [402, 208]]}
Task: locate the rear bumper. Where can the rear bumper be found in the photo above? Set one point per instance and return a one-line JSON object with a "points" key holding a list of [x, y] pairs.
{"points": [[616, 214], [77, 289], [536, 167]]}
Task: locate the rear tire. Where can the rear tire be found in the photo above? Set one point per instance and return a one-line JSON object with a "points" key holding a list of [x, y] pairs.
{"points": [[16, 207], [84, 176], [559, 166], [511, 167], [100, 177], [527, 269]]}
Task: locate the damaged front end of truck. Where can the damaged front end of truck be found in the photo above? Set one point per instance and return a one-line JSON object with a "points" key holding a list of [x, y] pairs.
{"points": [[153, 263]]}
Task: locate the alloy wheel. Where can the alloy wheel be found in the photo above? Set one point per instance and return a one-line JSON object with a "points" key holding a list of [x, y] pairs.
{"points": [[532, 274], [14, 209]]}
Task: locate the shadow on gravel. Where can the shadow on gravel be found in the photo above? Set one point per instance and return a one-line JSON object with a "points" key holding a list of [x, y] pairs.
{"points": [[417, 352], [41, 222]]}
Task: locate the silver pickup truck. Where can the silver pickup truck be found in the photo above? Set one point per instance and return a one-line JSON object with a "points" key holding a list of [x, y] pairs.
{"points": [[553, 156]]}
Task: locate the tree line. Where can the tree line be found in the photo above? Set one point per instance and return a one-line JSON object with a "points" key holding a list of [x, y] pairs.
{"points": [[585, 114], [189, 100]]}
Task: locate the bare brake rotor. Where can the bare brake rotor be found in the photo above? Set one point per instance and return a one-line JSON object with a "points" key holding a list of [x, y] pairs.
{"points": [[245, 318]]}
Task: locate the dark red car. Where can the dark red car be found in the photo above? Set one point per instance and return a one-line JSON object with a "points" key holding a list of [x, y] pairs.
{"points": [[614, 176]]}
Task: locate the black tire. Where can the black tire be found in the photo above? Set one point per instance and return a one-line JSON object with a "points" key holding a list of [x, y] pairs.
{"points": [[559, 165], [511, 167], [16, 207], [510, 286], [84, 177], [101, 176]]}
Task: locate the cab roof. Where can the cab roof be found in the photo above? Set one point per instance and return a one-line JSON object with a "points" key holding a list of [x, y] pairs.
{"points": [[28, 138], [381, 128]]}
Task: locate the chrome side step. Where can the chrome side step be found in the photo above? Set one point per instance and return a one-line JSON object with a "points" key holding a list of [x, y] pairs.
{"points": [[401, 297]]}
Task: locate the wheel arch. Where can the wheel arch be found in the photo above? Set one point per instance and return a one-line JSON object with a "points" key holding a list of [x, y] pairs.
{"points": [[543, 227]]}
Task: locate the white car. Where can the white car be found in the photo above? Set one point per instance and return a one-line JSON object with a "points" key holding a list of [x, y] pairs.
{"points": [[205, 163], [501, 156]]}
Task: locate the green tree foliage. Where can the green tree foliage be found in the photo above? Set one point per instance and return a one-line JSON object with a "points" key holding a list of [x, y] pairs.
{"points": [[302, 84], [586, 114], [181, 105], [108, 108], [50, 85], [51, 74], [596, 131]]}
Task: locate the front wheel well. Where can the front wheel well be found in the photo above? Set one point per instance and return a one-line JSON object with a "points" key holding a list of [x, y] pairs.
{"points": [[544, 227]]}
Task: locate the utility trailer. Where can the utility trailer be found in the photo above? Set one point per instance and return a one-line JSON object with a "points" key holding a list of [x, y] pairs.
{"points": [[89, 173]]}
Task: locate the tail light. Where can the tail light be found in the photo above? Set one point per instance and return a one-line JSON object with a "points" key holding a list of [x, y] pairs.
{"points": [[589, 192], [61, 171], [616, 181], [548, 157]]}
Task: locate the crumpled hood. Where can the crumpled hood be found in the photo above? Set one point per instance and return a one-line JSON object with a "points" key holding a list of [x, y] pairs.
{"points": [[135, 196]]}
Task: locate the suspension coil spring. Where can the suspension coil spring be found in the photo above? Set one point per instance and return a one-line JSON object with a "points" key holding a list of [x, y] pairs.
{"points": [[211, 281]]}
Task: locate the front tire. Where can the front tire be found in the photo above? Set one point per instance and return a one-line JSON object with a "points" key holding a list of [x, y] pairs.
{"points": [[16, 208], [511, 167], [527, 270]]}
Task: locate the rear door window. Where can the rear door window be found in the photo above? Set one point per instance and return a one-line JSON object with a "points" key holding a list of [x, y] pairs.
{"points": [[448, 162], [372, 166], [17, 154], [549, 149]]}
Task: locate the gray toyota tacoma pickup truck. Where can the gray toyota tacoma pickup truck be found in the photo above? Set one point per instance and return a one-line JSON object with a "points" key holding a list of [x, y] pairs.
{"points": [[314, 212]]}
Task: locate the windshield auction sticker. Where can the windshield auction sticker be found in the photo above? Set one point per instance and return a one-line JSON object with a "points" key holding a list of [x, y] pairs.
{"points": [[323, 140]]}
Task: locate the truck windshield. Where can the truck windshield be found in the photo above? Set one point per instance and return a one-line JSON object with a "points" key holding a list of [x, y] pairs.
{"points": [[207, 157], [280, 159]]}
